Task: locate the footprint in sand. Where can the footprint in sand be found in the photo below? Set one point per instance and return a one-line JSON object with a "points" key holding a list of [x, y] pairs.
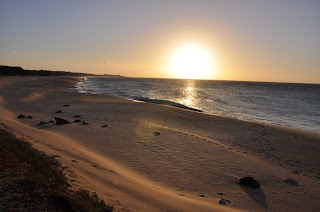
{"points": [[291, 182]]}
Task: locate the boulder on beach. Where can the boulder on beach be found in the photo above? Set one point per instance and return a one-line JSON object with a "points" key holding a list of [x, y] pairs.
{"points": [[51, 121], [21, 117], [85, 123], [104, 125], [77, 121], [249, 181], [29, 117], [76, 116], [66, 105], [61, 121], [59, 111]]}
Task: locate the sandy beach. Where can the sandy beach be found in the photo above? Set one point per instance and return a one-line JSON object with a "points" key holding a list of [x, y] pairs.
{"points": [[154, 157]]}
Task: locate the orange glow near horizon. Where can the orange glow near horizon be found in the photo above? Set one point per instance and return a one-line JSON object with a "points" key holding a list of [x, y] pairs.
{"points": [[192, 61]]}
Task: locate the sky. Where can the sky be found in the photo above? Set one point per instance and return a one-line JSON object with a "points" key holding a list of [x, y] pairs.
{"points": [[249, 40]]}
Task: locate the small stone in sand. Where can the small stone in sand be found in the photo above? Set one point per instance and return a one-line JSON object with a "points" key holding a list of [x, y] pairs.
{"points": [[77, 121], [21, 117], [156, 133], [249, 181], [296, 172], [59, 111], [76, 116], [29, 117], [42, 123], [291, 182], [104, 125], [220, 193], [85, 123], [61, 121], [66, 105], [222, 202], [201, 195]]}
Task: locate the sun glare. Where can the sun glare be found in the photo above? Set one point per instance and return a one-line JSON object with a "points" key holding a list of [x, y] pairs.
{"points": [[192, 61]]}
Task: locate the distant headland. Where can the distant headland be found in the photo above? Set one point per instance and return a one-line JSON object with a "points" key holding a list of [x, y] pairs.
{"points": [[17, 70]]}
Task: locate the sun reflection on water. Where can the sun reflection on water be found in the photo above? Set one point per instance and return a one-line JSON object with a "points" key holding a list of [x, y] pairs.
{"points": [[188, 94]]}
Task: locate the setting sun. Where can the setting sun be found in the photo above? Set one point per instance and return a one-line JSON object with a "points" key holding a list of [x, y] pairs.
{"points": [[192, 61]]}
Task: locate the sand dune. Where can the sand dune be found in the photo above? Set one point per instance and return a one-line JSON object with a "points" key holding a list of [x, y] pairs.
{"points": [[153, 157]]}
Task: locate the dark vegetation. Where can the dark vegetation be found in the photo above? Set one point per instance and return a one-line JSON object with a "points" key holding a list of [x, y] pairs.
{"points": [[33, 181], [16, 70]]}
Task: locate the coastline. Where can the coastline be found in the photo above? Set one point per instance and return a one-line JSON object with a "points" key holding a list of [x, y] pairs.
{"points": [[195, 156]]}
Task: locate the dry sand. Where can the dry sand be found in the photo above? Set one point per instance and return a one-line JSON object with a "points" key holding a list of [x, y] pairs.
{"points": [[196, 160]]}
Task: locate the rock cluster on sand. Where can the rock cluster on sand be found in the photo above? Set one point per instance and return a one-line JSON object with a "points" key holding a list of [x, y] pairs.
{"points": [[61, 121], [249, 181]]}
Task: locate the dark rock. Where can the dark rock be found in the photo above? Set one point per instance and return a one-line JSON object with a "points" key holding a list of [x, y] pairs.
{"points": [[59, 111], [42, 123], [249, 181], [222, 202], [77, 121], [220, 193], [21, 117], [66, 105], [104, 125], [76, 116], [291, 182], [51, 121], [61, 121], [156, 133], [85, 123], [29, 117], [201, 195]]}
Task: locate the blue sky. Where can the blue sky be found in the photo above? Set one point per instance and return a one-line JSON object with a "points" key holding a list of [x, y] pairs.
{"points": [[252, 40]]}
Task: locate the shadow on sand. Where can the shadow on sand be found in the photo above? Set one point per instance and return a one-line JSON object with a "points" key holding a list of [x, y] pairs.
{"points": [[257, 195]]}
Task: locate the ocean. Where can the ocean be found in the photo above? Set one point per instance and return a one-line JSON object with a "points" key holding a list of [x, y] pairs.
{"points": [[285, 104]]}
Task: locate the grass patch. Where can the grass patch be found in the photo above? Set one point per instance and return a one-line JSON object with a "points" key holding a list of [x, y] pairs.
{"points": [[33, 181]]}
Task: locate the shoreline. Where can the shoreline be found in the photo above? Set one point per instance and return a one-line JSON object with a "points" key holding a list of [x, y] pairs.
{"points": [[195, 156], [269, 118]]}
